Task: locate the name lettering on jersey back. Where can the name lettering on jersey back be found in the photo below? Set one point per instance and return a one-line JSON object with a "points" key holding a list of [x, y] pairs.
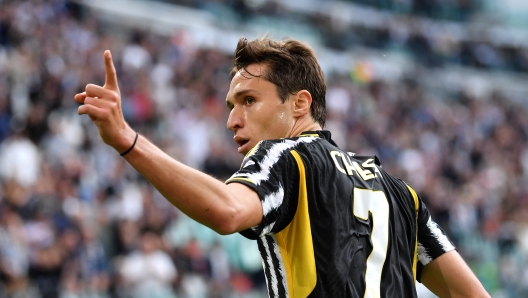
{"points": [[346, 166]]}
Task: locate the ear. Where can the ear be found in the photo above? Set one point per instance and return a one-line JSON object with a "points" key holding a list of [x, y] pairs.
{"points": [[302, 102]]}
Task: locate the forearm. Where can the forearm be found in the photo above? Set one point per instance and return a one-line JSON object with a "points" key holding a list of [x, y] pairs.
{"points": [[224, 208], [449, 276], [197, 194]]}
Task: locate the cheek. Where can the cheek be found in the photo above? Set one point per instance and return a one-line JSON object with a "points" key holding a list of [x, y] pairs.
{"points": [[281, 116], [281, 123], [271, 122], [258, 117]]}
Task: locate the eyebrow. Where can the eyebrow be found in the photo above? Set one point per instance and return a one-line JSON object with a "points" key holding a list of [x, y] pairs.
{"points": [[239, 94]]}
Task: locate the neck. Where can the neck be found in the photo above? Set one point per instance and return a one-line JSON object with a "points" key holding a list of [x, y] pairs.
{"points": [[304, 124]]}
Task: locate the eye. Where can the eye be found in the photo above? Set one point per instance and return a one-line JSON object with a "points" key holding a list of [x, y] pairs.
{"points": [[249, 100]]}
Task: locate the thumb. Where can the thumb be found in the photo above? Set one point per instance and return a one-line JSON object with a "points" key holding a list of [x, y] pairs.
{"points": [[111, 76]]}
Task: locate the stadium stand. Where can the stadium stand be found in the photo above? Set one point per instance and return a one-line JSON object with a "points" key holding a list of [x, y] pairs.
{"points": [[436, 93]]}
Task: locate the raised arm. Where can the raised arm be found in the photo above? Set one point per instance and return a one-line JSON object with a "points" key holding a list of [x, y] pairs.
{"points": [[224, 208], [449, 276]]}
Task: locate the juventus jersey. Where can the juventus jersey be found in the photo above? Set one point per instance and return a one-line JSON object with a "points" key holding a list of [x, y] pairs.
{"points": [[336, 224]]}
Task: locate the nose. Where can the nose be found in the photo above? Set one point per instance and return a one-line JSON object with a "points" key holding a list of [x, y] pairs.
{"points": [[235, 119]]}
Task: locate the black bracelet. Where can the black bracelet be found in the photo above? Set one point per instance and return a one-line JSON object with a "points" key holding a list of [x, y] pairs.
{"points": [[131, 147]]}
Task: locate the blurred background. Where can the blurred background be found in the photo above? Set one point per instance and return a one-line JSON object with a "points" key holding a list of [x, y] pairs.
{"points": [[437, 89]]}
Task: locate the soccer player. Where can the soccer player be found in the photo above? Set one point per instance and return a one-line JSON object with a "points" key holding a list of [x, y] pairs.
{"points": [[328, 223]]}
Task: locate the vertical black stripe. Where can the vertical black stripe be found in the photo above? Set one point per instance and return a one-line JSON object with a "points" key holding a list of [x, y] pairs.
{"points": [[264, 255]]}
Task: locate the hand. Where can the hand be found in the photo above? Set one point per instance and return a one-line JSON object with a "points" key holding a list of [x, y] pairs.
{"points": [[103, 105]]}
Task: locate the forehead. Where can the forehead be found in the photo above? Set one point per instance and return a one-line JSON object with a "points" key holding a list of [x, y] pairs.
{"points": [[252, 70], [250, 77]]}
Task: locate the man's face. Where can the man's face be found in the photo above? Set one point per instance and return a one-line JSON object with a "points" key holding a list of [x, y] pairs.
{"points": [[257, 112]]}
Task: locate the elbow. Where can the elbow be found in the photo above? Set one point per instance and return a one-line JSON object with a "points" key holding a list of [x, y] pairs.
{"points": [[225, 228], [236, 213], [226, 223], [225, 231], [222, 227]]}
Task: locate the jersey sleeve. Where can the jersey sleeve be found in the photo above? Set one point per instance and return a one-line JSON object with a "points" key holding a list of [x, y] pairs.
{"points": [[271, 171], [432, 240]]}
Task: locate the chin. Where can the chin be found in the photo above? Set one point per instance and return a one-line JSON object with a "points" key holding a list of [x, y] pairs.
{"points": [[246, 148]]}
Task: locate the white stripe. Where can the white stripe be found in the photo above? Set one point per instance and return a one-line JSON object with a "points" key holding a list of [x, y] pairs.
{"points": [[249, 163], [281, 271], [270, 202], [273, 276], [423, 257], [440, 237], [266, 230], [273, 201], [274, 153]]}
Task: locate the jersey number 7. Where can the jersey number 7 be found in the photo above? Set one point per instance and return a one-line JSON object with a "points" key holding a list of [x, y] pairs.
{"points": [[374, 202]]}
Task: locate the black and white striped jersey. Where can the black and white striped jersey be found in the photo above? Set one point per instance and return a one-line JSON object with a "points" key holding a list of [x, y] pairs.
{"points": [[336, 224]]}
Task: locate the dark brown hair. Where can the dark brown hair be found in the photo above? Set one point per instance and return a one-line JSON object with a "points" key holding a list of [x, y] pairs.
{"points": [[292, 67]]}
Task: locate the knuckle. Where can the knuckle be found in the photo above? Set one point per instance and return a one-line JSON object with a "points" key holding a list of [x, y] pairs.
{"points": [[113, 95], [90, 89]]}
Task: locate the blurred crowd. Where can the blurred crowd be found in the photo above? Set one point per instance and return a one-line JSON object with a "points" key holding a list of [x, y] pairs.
{"points": [[77, 221], [433, 44], [459, 10]]}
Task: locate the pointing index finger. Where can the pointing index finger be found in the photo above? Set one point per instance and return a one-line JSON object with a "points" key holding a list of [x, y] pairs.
{"points": [[111, 76]]}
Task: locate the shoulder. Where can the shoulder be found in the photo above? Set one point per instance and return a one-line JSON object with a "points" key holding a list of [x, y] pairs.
{"points": [[275, 148]]}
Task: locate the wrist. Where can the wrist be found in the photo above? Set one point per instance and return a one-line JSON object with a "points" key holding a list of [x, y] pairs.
{"points": [[132, 146], [127, 140]]}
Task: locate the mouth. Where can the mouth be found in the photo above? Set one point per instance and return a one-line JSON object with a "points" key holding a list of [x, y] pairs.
{"points": [[242, 143]]}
